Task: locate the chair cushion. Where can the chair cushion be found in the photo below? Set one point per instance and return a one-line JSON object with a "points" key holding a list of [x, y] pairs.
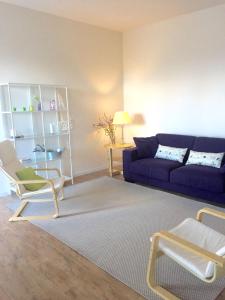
{"points": [[58, 185], [29, 174], [154, 168], [200, 235], [201, 177]]}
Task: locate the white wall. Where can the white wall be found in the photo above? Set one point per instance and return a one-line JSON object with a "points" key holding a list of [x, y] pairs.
{"points": [[174, 72], [174, 75], [37, 47]]}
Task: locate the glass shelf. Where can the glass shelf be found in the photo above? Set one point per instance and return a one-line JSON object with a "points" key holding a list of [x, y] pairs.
{"points": [[33, 161], [36, 111], [31, 137]]}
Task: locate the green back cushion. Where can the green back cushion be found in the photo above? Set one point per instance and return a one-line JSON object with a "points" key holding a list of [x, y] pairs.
{"points": [[29, 174]]}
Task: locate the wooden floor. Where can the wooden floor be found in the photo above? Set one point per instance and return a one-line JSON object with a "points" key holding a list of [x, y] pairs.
{"points": [[36, 266]]}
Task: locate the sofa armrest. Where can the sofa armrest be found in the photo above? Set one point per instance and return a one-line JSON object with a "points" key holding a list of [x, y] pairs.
{"points": [[222, 169], [129, 155]]}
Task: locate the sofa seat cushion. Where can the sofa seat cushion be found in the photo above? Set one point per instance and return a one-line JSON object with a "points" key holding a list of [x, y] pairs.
{"points": [[154, 168], [201, 177]]}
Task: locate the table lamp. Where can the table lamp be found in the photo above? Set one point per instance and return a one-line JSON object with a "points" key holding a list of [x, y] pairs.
{"points": [[121, 118]]}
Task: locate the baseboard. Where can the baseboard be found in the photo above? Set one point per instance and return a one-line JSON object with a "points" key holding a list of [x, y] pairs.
{"points": [[91, 170]]}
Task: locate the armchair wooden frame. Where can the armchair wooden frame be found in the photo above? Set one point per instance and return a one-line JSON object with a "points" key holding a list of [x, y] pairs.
{"points": [[26, 199], [155, 252]]}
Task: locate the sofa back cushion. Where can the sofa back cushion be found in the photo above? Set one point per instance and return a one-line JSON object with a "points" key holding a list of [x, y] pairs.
{"points": [[175, 140], [206, 144], [146, 146]]}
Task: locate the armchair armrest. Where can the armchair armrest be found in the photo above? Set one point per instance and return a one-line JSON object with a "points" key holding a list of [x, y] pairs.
{"points": [[176, 240], [209, 211], [49, 169]]}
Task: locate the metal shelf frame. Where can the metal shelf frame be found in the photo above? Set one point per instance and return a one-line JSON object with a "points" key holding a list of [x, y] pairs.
{"points": [[43, 135]]}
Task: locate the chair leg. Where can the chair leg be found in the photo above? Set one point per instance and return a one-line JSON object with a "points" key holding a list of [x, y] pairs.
{"points": [[62, 196], [18, 211], [17, 215], [154, 254], [55, 198]]}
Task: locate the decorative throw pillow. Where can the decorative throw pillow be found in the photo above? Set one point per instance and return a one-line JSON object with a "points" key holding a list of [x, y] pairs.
{"points": [[29, 174], [146, 146], [171, 153], [205, 159]]}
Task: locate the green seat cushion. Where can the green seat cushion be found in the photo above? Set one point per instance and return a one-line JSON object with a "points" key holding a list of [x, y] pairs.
{"points": [[29, 174]]}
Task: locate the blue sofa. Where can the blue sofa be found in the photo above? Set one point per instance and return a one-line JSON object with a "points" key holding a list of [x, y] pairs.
{"points": [[140, 166]]}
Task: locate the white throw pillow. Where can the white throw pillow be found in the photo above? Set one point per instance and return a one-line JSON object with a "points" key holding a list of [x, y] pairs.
{"points": [[205, 159], [171, 153]]}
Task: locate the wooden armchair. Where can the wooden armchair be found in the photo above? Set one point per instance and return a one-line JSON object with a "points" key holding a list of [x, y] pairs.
{"points": [[9, 165], [194, 246]]}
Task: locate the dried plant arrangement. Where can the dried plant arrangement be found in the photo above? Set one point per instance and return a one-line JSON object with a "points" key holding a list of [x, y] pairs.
{"points": [[106, 123]]}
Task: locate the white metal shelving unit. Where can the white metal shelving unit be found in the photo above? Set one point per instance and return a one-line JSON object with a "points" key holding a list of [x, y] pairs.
{"points": [[26, 115]]}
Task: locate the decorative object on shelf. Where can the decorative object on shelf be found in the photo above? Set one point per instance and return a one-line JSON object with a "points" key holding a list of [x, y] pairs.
{"points": [[121, 118], [24, 108], [61, 103], [14, 108], [15, 135], [54, 154], [19, 136], [26, 159], [106, 123], [51, 128], [31, 108], [39, 106], [12, 133], [50, 153], [63, 125], [52, 104], [36, 100], [39, 148]]}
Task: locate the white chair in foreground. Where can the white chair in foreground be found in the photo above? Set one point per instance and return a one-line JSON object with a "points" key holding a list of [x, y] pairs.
{"points": [[196, 247], [9, 165]]}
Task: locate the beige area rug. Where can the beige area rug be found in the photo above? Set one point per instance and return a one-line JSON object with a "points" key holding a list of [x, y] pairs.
{"points": [[110, 222]]}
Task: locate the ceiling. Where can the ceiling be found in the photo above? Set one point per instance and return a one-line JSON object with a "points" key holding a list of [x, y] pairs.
{"points": [[118, 15]]}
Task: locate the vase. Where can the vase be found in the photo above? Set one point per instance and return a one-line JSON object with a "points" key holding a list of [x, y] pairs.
{"points": [[39, 106], [113, 139]]}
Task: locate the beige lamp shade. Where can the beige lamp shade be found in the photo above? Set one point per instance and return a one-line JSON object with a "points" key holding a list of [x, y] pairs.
{"points": [[121, 118]]}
